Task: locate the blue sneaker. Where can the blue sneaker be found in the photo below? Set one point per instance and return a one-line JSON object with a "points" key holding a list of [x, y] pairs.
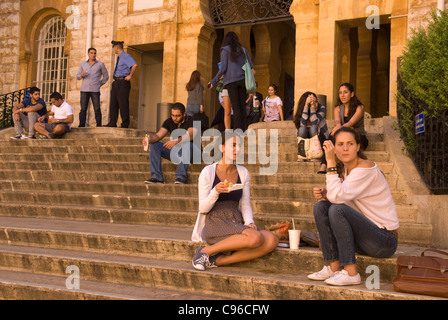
{"points": [[200, 259], [212, 260]]}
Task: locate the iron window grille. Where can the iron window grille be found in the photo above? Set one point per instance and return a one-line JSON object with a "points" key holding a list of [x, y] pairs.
{"points": [[52, 61], [233, 12]]}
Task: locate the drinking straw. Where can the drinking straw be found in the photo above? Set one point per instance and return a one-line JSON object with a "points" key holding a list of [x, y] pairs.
{"points": [[293, 225]]}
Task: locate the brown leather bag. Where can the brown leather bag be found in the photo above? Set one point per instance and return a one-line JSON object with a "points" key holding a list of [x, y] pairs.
{"points": [[427, 275]]}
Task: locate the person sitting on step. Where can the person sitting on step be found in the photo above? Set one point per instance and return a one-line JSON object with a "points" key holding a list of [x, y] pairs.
{"points": [[357, 213], [310, 118], [225, 219], [159, 150], [60, 118], [348, 113], [26, 114]]}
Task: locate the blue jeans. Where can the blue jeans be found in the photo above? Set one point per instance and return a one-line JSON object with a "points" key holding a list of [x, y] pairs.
{"points": [[344, 231], [85, 97], [193, 109], [308, 132], [157, 151]]}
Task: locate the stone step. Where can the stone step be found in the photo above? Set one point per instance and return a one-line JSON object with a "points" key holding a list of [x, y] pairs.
{"points": [[18, 152], [368, 123], [375, 140], [282, 167], [302, 191], [293, 174], [177, 211], [62, 143], [16, 285], [175, 202], [231, 282], [87, 156], [160, 242]]}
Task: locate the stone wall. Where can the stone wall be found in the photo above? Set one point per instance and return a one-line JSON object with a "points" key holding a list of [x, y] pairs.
{"points": [[419, 12], [9, 45]]}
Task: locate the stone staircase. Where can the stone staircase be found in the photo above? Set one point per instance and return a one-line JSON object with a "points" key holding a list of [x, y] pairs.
{"points": [[81, 201]]}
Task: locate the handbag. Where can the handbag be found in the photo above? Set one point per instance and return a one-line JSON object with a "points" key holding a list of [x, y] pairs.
{"points": [[220, 85], [251, 87], [309, 149], [427, 275]]}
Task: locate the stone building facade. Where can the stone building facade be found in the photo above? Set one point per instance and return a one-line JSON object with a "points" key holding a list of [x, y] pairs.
{"points": [[319, 45]]}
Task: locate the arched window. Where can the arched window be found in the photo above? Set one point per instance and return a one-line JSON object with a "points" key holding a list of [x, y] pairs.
{"points": [[52, 61]]}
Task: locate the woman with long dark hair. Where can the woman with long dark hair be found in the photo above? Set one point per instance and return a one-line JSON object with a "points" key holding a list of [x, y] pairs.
{"points": [[225, 219], [310, 119], [195, 101], [356, 214], [350, 113], [233, 57]]}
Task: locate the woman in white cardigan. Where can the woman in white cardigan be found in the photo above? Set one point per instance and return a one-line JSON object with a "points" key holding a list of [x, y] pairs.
{"points": [[225, 220], [357, 214]]}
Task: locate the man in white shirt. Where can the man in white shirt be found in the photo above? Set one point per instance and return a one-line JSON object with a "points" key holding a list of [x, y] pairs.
{"points": [[60, 118]]}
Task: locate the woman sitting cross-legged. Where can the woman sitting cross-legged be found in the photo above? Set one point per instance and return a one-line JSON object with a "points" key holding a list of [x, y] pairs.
{"points": [[225, 220], [357, 214]]}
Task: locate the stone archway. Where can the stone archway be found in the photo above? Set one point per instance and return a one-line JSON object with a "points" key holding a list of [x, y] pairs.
{"points": [[264, 27]]}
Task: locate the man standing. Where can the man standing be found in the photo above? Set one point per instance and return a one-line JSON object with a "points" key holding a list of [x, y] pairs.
{"points": [[26, 114], [60, 118], [159, 150], [94, 75], [121, 87]]}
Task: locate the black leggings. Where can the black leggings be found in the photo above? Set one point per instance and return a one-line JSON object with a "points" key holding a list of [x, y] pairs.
{"points": [[237, 95]]}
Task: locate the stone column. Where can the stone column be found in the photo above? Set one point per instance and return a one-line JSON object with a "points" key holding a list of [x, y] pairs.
{"points": [[306, 18], [9, 45]]}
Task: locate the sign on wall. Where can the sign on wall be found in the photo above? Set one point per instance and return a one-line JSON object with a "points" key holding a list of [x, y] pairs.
{"points": [[419, 123]]}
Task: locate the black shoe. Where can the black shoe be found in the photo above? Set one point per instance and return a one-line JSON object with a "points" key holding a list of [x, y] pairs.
{"points": [[153, 181], [52, 136], [180, 181], [111, 125]]}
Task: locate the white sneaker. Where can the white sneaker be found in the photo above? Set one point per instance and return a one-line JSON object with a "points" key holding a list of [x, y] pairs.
{"points": [[342, 278], [19, 137], [323, 274]]}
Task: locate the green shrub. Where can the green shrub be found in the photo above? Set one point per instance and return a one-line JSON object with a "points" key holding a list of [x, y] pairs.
{"points": [[424, 71]]}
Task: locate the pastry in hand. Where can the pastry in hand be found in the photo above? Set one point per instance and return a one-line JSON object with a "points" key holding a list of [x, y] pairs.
{"points": [[228, 183]]}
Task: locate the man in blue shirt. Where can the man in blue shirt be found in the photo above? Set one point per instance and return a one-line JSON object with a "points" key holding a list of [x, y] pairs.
{"points": [[121, 87], [94, 75], [27, 113]]}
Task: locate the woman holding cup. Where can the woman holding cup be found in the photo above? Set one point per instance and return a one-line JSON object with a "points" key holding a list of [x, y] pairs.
{"points": [[357, 213], [225, 220]]}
